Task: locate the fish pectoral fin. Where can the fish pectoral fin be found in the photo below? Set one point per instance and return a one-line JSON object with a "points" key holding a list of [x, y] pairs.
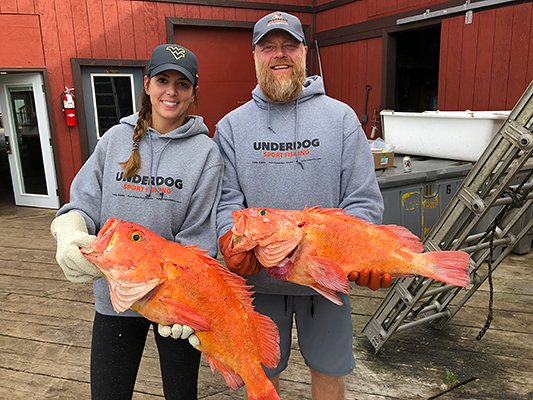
{"points": [[179, 313], [232, 378], [328, 274], [125, 293], [328, 294], [275, 252]]}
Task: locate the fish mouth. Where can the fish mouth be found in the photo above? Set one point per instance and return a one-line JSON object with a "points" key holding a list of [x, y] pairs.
{"points": [[239, 244], [106, 238], [95, 258], [240, 241]]}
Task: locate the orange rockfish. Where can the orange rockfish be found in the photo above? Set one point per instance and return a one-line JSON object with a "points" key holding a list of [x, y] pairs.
{"points": [[320, 247], [173, 284]]}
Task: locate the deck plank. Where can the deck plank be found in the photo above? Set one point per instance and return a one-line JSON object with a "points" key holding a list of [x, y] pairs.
{"points": [[46, 324]]}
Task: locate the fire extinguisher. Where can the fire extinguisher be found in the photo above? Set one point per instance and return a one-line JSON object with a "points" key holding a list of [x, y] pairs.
{"points": [[68, 106]]}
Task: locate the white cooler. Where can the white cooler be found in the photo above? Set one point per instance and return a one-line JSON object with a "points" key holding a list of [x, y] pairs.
{"points": [[456, 135]]}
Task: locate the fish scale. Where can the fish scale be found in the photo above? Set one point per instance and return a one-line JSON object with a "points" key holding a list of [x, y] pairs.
{"points": [[169, 283], [320, 247]]}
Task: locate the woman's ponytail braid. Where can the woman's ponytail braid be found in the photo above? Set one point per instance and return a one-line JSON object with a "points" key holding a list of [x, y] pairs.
{"points": [[133, 164]]}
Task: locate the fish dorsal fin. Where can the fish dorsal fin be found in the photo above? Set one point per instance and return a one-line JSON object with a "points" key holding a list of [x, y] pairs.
{"points": [[334, 212], [408, 240], [267, 331]]}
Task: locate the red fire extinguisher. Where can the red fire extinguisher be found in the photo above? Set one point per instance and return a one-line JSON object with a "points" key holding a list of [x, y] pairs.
{"points": [[69, 107]]}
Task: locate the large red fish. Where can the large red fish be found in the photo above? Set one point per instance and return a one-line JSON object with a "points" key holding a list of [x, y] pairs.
{"points": [[320, 247], [173, 284]]}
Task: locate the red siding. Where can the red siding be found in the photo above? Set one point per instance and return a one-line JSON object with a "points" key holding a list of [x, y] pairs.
{"points": [[52, 32], [12, 52], [486, 65], [483, 66], [348, 68]]}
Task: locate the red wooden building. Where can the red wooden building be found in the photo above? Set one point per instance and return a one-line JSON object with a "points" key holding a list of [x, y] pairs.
{"points": [[407, 55]]}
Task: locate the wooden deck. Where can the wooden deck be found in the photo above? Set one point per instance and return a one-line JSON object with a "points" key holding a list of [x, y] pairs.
{"points": [[45, 334]]}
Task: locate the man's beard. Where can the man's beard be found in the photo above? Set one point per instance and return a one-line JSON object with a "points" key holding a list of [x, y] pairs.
{"points": [[282, 89]]}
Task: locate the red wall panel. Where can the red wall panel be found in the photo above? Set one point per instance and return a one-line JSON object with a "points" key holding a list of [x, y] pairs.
{"points": [[485, 65], [20, 37], [347, 70]]}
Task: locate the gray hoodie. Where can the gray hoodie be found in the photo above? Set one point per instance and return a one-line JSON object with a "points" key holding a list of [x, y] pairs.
{"points": [[311, 151], [178, 203]]}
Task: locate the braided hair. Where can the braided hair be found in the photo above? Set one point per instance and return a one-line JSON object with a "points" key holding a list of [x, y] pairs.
{"points": [[133, 164]]}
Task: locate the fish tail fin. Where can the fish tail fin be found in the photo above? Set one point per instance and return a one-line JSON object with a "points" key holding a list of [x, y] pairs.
{"points": [[264, 391], [449, 267]]}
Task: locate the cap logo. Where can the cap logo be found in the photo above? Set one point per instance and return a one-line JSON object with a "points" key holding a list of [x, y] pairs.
{"points": [[177, 52], [277, 19]]}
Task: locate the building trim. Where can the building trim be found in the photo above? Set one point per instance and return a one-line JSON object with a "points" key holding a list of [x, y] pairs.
{"points": [[77, 64], [51, 122]]}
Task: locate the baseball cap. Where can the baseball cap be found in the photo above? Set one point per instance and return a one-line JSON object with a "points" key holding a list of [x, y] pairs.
{"points": [[175, 57], [278, 20]]}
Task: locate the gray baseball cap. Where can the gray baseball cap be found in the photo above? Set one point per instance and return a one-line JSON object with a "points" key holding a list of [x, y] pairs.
{"points": [[278, 20], [175, 57]]}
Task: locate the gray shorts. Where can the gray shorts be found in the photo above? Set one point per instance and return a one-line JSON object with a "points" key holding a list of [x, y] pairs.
{"points": [[325, 332]]}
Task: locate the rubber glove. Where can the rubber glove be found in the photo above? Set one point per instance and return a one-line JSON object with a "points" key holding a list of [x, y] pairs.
{"points": [[371, 278], [243, 263], [70, 233], [178, 331]]}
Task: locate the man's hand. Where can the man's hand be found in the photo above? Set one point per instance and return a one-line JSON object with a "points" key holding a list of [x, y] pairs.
{"points": [[371, 278], [243, 263], [178, 331], [70, 233]]}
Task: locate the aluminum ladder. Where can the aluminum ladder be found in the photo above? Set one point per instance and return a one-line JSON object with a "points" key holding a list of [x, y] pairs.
{"points": [[479, 219]]}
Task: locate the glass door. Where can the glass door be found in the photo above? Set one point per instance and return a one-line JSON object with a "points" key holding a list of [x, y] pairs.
{"points": [[27, 140]]}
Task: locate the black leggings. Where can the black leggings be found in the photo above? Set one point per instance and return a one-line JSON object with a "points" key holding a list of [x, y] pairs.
{"points": [[117, 348]]}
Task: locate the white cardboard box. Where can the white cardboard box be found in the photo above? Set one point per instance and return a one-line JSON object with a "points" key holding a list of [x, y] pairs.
{"points": [[457, 135]]}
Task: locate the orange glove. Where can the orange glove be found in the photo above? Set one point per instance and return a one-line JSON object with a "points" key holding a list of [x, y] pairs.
{"points": [[371, 278], [243, 263]]}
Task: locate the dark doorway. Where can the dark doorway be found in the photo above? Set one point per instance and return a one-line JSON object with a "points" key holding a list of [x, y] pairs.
{"points": [[226, 68], [417, 70]]}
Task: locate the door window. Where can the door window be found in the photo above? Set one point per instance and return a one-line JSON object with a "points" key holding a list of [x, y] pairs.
{"points": [[112, 100], [26, 141], [108, 94]]}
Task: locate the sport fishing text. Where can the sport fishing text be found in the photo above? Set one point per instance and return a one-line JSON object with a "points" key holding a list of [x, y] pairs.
{"points": [[286, 149]]}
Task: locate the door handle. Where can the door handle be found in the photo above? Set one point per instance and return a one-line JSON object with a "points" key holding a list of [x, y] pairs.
{"points": [[8, 145]]}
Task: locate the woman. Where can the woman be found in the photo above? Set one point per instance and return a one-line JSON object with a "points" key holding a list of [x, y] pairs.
{"points": [[157, 168]]}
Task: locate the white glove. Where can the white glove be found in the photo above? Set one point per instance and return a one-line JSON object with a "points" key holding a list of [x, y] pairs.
{"points": [[70, 233], [178, 331]]}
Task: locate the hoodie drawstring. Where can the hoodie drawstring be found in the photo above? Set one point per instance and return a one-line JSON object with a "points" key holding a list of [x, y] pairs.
{"points": [[161, 193], [296, 133], [268, 118], [149, 194]]}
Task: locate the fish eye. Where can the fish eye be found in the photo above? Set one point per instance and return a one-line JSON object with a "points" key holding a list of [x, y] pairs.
{"points": [[136, 237], [262, 212]]}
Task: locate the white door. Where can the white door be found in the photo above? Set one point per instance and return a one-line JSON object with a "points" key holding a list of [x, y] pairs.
{"points": [[27, 137]]}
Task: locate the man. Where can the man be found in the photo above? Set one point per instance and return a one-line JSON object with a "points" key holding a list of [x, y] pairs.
{"points": [[292, 146]]}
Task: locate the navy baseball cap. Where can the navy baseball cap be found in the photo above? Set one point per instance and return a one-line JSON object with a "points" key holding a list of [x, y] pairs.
{"points": [[175, 57], [278, 20]]}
